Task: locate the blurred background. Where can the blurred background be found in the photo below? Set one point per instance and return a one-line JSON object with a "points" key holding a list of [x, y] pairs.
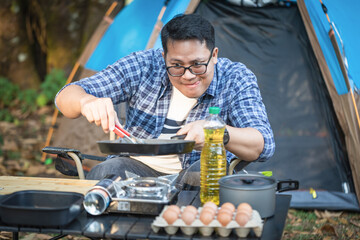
{"points": [[40, 42]]}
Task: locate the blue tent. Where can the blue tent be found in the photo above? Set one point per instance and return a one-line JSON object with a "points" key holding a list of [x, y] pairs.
{"points": [[342, 20], [136, 22], [333, 32]]}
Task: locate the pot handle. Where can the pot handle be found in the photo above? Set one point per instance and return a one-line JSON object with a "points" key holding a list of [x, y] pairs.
{"points": [[291, 185]]}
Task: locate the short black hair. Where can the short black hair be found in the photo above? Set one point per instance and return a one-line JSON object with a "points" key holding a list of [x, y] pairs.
{"points": [[187, 27]]}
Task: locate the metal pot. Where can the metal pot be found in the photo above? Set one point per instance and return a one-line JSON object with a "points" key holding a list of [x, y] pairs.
{"points": [[254, 188]]}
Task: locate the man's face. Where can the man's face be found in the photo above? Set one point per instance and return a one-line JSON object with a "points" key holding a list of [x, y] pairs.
{"points": [[190, 52]]}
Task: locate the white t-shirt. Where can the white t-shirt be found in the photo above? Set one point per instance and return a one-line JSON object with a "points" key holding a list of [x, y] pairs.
{"points": [[179, 109]]}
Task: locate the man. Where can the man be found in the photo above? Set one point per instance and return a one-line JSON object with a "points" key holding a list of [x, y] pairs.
{"points": [[168, 92]]}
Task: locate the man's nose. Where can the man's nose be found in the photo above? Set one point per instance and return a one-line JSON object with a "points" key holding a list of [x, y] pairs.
{"points": [[188, 74]]}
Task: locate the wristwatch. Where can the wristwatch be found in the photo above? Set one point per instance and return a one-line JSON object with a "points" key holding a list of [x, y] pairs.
{"points": [[226, 137]]}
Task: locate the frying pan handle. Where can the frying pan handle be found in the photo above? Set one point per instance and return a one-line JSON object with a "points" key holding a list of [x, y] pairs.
{"points": [[179, 137], [291, 185]]}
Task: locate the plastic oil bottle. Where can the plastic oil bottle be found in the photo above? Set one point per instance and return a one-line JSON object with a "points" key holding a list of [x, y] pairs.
{"points": [[213, 157]]}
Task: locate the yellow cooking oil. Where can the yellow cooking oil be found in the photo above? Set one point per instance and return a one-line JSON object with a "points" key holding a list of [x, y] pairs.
{"points": [[212, 165]]}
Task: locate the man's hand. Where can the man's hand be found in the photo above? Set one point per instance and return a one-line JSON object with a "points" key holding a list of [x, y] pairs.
{"points": [[99, 111], [194, 131], [73, 102]]}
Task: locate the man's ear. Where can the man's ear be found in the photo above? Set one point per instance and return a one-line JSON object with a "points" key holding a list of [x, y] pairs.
{"points": [[215, 55], [163, 54]]}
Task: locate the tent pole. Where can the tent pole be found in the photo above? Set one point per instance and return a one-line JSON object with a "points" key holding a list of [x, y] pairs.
{"points": [[69, 80], [157, 28], [344, 71], [333, 40], [159, 24], [111, 8]]}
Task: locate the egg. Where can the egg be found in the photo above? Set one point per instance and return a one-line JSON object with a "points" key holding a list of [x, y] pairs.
{"points": [[245, 206], [170, 216], [221, 210], [191, 209], [228, 205], [175, 208], [209, 209], [224, 218], [242, 218], [244, 212], [206, 216], [211, 205], [188, 217]]}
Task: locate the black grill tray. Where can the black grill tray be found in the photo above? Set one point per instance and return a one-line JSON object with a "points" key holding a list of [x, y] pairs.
{"points": [[40, 208], [149, 147]]}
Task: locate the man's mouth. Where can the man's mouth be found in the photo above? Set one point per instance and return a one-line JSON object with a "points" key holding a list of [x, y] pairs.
{"points": [[192, 85]]}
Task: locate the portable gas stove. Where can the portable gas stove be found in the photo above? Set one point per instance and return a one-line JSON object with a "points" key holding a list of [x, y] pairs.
{"points": [[144, 195]]}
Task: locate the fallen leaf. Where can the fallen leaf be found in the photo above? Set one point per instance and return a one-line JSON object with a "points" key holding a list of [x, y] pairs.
{"points": [[328, 230], [356, 223], [343, 221], [290, 216], [301, 232], [321, 221], [349, 232], [317, 231], [332, 221], [5, 235], [327, 214]]}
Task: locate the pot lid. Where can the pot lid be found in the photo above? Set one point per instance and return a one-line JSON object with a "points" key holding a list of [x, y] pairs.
{"points": [[247, 181]]}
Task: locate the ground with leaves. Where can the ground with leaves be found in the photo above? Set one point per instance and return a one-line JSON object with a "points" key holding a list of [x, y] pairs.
{"points": [[20, 154], [321, 225]]}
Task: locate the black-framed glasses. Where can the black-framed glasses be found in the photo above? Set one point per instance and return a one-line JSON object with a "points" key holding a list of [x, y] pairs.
{"points": [[196, 69]]}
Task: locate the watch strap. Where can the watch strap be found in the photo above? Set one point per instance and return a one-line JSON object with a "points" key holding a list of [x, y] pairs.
{"points": [[226, 137]]}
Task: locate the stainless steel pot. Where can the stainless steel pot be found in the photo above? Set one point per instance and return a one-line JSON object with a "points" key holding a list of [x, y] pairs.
{"points": [[254, 188]]}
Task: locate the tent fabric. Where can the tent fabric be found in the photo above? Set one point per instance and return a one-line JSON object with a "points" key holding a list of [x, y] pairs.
{"points": [[310, 147], [174, 8], [126, 34], [346, 22], [343, 104], [131, 30]]}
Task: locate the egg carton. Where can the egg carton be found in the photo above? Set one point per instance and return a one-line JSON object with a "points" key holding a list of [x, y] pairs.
{"points": [[255, 224]]}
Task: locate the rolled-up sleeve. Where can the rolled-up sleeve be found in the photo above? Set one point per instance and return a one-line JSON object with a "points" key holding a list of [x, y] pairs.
{"points": [[248, 110]]}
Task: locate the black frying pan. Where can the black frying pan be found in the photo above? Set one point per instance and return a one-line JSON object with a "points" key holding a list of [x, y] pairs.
{"points": [[176, 145]]}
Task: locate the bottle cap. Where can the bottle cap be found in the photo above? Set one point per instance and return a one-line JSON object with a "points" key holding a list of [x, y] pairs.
{"points": [[214, 110]]}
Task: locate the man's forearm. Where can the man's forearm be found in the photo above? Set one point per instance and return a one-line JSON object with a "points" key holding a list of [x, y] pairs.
{"points": [[68, 101], [246, 143]]}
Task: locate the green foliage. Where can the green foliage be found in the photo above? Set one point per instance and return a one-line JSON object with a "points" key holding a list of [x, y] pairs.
{"points": [[8, 93], [28, 100], [14, 155], [308, 215], [6, 116], [42, 100], [54, 81]]}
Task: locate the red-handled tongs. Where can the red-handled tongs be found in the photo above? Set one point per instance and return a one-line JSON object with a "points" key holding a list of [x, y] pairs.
{"points": [[125, 135]]}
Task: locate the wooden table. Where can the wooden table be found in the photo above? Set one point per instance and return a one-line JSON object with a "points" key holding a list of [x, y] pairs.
{"points": [[121, 226], [10, 184]]}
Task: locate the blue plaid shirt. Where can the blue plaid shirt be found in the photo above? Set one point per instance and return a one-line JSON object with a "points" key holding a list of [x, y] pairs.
{"points": [[141, 80]]}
